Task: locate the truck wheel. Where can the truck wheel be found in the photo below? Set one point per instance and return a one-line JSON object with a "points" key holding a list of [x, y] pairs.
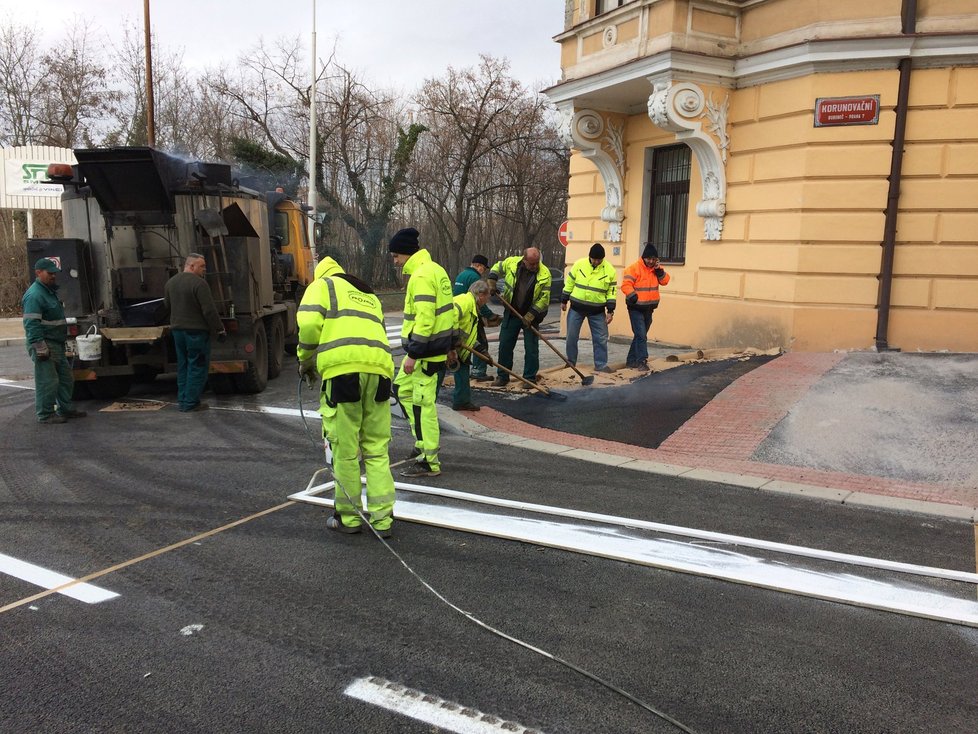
{"points": [[221, 384], [110, 388], [256, 378], [276, 348], [80, 391]]}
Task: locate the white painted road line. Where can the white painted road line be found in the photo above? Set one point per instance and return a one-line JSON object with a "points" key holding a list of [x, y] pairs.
{"points": [[430, 709], [634, 546], [11, 383], [47, 579]]}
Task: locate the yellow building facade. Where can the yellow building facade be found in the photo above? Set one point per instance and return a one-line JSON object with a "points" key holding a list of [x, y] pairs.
{"points": [[807, 169]]}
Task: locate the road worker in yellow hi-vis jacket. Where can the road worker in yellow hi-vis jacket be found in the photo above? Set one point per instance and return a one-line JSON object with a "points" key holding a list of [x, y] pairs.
{"points": [[427, 335], [343, 340]]}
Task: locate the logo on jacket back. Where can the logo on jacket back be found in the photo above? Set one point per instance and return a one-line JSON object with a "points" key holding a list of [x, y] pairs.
{"points": [[364, 299]]}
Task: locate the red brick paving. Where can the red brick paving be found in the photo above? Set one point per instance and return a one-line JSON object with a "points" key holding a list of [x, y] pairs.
{"points": [[725, 433]]}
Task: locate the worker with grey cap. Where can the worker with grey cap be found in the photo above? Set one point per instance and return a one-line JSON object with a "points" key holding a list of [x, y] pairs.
{"points": [[47, 331]]}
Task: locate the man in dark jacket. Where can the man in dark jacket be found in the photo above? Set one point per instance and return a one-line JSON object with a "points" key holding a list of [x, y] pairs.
{"points": [[193, 318], [47, 331], [464, 281]]}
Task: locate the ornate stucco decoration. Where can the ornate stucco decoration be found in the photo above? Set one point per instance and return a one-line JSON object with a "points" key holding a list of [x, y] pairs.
{"points": [[678, 108], [587, 131], [610, 36]]}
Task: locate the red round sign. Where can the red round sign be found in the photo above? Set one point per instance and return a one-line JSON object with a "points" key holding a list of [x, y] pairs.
{"points": [[562, 233]]}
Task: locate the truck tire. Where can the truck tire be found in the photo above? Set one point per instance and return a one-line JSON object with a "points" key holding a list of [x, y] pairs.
{"points": [[110, 388], [255, 379], [80, 391], [276, 348]]}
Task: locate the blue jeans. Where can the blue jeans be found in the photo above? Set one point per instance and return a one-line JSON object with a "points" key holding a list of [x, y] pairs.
{"points": [[193, 363], [599, 336], [638, 352]]}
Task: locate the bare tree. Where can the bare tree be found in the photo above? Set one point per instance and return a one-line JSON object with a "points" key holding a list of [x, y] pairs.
{"points": [[22, 84], [75, 98], [363, 156], [472, 114], [372, 151], [535, 166]]}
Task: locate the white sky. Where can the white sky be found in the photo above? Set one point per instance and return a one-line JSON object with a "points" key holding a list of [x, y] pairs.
{"points": [[391, 42]]}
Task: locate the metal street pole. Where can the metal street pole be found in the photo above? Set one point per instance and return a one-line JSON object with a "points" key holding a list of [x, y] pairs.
{"points": [[312, 141]]}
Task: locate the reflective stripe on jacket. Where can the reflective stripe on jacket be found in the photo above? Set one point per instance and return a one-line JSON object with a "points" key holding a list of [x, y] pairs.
{"points": [[592, 288], [428, 331], [505, 271], [641, 280], [342, 326], [44, 316], [466, 322]]}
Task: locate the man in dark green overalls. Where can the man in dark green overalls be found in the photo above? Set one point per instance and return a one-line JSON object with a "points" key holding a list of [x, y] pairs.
{"points": [[47, 331]]}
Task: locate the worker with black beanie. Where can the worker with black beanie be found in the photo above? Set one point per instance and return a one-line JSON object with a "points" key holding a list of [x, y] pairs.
{"points": [[591, 290], [427, 335], [640, 286]]}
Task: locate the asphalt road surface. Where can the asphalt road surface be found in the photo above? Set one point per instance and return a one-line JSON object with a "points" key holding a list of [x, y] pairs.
{"points": [[264, 626]]}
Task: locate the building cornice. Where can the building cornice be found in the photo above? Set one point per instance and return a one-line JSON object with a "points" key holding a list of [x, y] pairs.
{"points": [[854, 54]]}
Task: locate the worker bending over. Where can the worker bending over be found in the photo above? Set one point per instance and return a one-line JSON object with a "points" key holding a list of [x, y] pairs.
{"points": [[467, 322], [343, 340]]}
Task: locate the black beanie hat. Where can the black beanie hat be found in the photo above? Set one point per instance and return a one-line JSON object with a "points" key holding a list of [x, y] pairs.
{"points": [[480, 260], [596, 252], [404, 241], [650, 250]]}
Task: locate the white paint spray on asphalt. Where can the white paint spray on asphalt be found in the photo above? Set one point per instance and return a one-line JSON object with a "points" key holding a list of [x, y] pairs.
{"points": [[430, 709], [633, 545], [48, 579]]}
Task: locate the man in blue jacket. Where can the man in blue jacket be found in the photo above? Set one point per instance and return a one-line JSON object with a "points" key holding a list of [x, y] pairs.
{"points": [[47, 331]]}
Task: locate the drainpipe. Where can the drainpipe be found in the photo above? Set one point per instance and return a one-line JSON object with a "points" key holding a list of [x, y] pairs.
{"points": [[908, 15]]}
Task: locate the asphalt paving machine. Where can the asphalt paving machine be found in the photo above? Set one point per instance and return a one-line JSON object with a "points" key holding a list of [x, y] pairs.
{"points": [[131, 217]]}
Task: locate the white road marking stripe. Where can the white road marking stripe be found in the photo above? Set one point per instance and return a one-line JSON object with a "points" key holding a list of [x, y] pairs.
{"points": [[627, 544], [12, 383], [430, 709], [47, 579]]}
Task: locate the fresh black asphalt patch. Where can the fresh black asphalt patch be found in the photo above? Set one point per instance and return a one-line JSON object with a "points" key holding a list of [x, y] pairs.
{"points": [[642, 413]]}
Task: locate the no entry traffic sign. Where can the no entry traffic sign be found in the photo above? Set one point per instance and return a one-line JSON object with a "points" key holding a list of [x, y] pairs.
{"points": [[562, 234]]}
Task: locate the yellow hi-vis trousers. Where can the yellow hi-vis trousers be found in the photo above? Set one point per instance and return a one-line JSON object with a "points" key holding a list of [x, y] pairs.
{"points": [[354, 428], [416, 394]]}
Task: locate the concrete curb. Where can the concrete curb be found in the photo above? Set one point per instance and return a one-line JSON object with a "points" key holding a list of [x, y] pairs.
{"points": [[453, 422]]}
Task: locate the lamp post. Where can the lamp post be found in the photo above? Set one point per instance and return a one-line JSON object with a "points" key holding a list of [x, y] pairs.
{"points": [[312, 140]]}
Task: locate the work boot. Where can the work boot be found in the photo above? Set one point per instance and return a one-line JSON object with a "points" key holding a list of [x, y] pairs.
{"points": [[385, 533], [466, 406], [643, 366], [72, 413], [500, 382], [606, 370], [53, 418], [198, 407], [333, 522], [481, 377], [420, 469]]}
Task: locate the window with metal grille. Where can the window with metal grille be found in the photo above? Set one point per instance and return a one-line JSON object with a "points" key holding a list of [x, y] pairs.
{"points": [[669, 201]]}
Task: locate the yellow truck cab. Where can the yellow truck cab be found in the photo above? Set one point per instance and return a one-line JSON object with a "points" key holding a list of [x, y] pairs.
{"points": [[290, 241]]}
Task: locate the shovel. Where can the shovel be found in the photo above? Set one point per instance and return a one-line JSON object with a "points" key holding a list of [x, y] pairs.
{"points": [[585, 379], [543, 391]]}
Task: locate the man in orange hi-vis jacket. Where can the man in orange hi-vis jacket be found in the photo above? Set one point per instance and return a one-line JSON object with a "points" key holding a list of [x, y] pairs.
{"points": [[640, 286]]}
